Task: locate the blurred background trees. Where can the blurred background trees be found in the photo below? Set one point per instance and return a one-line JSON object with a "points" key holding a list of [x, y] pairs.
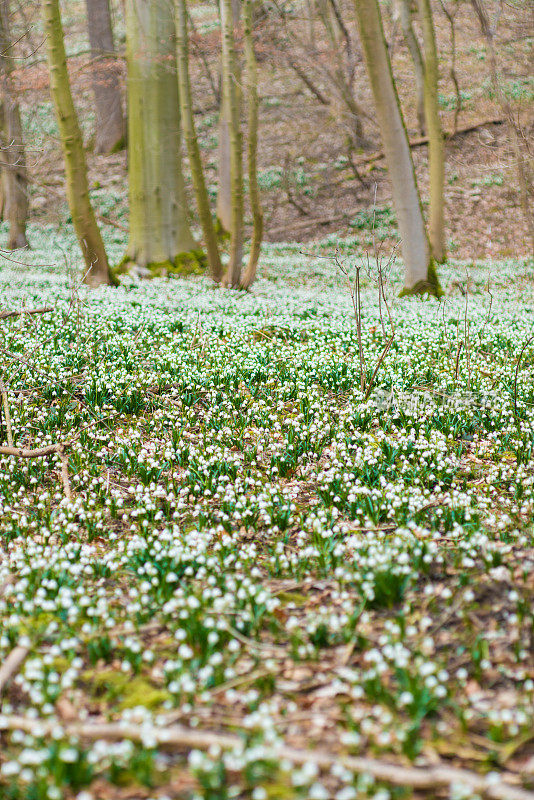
{"points": [[295, 116]]}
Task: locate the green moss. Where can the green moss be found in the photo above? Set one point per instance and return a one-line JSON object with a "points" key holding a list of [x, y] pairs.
{"points": [[430, 286], [123, 266], [60, 664], [130, 692], [220, 230], [293, 597], [192, 262], [120, 145], [140, 692]]}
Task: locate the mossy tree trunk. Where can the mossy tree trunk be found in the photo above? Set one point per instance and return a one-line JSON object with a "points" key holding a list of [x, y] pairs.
{"points": [[252, 147], [190, 135], [420, 274], [160, 236], [231, 92], [83, 217], [436, 144], [14, 172], [110, 124]]}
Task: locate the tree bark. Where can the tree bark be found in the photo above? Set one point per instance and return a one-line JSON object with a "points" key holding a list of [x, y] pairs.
{"points": [[14, 173], [160, 236], [83, 217], [195, 161], [252, 146], [404, 14], [110, 125], [420, 274], [436, 144], [224, 193], [231, 93]]}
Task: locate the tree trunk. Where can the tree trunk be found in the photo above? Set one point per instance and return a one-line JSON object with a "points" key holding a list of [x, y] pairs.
{"points": [[224, 189], [436, 144], [224, 192], [232, 94], [420, 274], [160, 236], [195, 161], [83, 217], [14, 172], [252, 107], [403, 13], [110, 125]]}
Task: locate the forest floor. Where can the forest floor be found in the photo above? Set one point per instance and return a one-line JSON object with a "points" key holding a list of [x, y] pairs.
{"points": [[297, 575], [270, 580]]}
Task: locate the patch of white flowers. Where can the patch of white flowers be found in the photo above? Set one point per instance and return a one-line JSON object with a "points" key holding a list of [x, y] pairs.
{"points": [[238, 505]]}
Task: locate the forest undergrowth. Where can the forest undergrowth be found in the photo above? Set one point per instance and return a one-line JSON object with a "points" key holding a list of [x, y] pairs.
{"points": [[302, 538]]}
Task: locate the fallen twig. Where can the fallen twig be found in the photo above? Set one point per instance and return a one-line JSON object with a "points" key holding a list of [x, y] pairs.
{"points": [[24, 452], [7, 415], [58, 449], [112, 222], [65, 471], [421, 140], [24, 311], [11, 665], [309, 223], [441, 775]]}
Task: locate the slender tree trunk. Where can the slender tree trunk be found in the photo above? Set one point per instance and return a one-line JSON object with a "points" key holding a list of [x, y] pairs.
{"points": [[452, 71], [252, 107], [83, 217], [110, 127], [14, 172], [195, 161], [420, 274], [436, 144], [232, 93], [404, 14], [224, 193], [160, 236], [224, 189]]}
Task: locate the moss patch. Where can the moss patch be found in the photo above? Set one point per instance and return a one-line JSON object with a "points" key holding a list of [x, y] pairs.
{"points": [[192, 262], [430, 286], [120, 145], [129, 692], [220, 230]]}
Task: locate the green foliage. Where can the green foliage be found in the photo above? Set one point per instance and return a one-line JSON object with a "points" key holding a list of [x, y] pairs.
{"points": [[248, 537]]}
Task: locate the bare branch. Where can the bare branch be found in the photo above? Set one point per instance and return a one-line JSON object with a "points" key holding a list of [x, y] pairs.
{"points": [[24, 312], [11, 665], [176, 737]]}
